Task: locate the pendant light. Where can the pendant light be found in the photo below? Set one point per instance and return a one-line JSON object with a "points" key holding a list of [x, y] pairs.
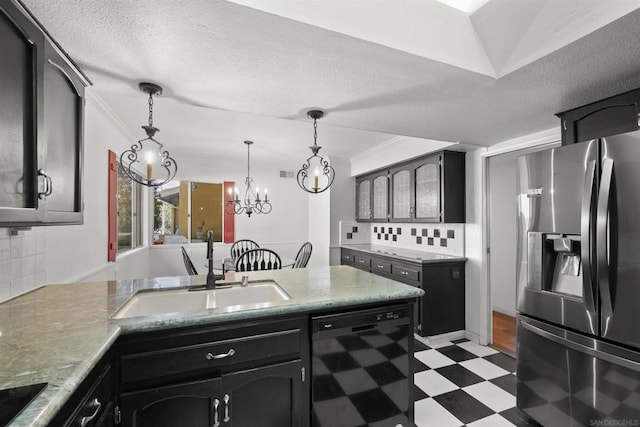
{"points": [[251, 202], [146, 162], [316, 174]]}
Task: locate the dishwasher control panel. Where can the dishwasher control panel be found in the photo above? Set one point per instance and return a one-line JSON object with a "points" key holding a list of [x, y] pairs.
{"points": [[360, 318]]}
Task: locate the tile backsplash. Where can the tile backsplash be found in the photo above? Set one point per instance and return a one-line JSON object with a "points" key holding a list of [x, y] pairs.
{"points": [[22, 261], [445, 239]]}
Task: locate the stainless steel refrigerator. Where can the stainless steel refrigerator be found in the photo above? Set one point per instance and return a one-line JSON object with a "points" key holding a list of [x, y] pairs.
{"points": [[578, 274]]}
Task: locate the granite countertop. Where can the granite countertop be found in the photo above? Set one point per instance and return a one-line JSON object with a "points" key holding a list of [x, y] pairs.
{"points": [[403, 254], [56, 334]]}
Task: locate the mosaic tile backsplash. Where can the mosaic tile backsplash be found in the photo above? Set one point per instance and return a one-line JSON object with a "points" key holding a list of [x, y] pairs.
{"points": [[445, 239]]}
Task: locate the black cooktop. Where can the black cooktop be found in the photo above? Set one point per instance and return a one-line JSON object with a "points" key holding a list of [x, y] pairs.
{"points": [[14, 400]]}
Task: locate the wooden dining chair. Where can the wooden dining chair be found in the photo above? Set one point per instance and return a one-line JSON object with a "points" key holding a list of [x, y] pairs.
{"points": [[258, 259], [241, 246], [302, 258], [191, 269]]}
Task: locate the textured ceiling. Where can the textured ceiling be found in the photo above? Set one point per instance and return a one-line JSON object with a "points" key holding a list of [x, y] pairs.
{"points": [[232, 72]]}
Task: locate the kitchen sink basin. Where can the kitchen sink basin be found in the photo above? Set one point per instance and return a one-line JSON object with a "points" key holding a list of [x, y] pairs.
{"points": [[255, 294]]}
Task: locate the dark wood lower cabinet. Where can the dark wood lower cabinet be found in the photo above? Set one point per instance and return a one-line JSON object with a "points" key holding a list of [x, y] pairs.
{"points": [[250, 374], [442, 308], [189, 404], [270, 396]]}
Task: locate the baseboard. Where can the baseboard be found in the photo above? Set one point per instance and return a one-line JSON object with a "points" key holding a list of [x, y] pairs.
{"points": [[435, 339]]}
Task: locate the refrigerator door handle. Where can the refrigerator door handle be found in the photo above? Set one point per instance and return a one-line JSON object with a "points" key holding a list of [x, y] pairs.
{"points": [[603, 252], [587, 240], [565, 342]]}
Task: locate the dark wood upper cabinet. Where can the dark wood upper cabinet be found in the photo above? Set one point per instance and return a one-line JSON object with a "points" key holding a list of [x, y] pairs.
{"points": [[610, 116], [41, 125], [426, 189]]}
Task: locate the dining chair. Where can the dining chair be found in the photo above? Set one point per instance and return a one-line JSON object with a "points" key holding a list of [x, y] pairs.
{"points": [[258, 259], [241, 246], [191, 269], [302, 258]]}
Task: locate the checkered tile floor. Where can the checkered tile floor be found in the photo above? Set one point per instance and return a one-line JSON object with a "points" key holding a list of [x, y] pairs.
{"points": [[461, 383]]}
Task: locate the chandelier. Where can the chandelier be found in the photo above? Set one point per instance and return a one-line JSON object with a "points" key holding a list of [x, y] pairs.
{"points": [[251, 202], [160, 166], [323, 173]]}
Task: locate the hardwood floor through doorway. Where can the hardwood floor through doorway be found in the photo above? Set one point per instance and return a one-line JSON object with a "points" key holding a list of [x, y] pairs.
{"points": [[504, 333]]}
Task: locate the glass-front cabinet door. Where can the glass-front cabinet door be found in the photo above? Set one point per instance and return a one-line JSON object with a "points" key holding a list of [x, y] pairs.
{"points": [[401, 194], [363, 199], [427, 189], [381, 197]]}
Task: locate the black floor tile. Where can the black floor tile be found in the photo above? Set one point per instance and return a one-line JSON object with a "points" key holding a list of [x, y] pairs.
{"points": [[463, 406], [459, 375], [418, 366], [418, 394], [506, 382], [457, 354], [519, 418], [502, 360], [419, 346]]}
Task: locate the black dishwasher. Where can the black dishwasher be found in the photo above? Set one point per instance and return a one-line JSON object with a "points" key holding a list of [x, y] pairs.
{"points": [[362, 369]]}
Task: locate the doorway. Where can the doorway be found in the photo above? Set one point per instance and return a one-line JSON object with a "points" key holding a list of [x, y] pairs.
{"points": [[502, 246]]}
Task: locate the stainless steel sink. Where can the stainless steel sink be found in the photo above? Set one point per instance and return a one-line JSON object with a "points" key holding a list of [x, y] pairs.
{"points": [[255, 294]]}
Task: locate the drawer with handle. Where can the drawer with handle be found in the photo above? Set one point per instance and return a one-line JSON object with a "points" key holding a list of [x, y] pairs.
{"points": [[406, 273], [380, 266], [154, 364], [347, 257], [362, 262]]}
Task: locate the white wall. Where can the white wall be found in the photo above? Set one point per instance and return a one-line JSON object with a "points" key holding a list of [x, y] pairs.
{"points": [[476, 299], [502, 232], [343, 206]]}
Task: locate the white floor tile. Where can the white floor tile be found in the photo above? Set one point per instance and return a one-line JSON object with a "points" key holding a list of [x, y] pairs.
{"points": [[429, 413], [492, 396], [440, 344], [484, 368], [494, 420], [433, 359], [477, 349], [432, 383]]}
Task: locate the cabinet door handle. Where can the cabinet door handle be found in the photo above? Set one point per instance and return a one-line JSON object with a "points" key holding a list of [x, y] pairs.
{"points": [[226, 408], [48, 184], [379, 266], [229, 353], [404, 273], [216, 403], [86, 420]]}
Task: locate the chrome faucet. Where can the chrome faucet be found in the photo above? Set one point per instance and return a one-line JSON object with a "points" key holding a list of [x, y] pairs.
{"points": [[211, 278]]}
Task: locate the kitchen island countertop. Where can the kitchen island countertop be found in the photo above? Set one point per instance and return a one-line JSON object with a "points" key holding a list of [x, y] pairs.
{"points": [[57, 333]]}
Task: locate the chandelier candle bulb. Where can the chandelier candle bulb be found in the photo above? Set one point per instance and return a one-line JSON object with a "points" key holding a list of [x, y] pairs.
{"points": [[315, 178]]}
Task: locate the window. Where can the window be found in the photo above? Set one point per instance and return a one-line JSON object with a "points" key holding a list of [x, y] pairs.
{"points": [[184, 211], [129, 203]]}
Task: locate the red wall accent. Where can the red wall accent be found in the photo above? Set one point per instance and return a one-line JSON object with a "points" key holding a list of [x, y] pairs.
{"points": [[229, 219], [112, 207]]}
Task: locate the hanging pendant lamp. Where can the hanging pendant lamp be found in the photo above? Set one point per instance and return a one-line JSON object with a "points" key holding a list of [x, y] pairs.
{"points": [[146, 162], [316, 174], [251, 202]]}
